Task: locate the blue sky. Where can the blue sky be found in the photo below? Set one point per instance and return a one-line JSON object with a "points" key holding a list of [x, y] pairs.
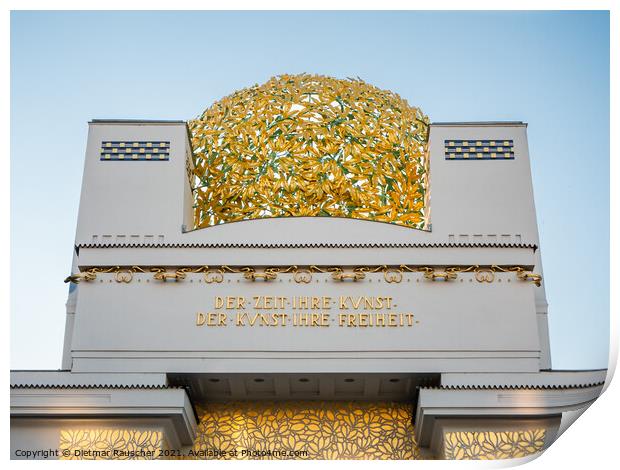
{"points": [[550, 69]]}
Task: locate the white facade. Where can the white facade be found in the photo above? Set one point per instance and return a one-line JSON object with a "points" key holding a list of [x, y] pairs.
{"points": [[471, 345]]}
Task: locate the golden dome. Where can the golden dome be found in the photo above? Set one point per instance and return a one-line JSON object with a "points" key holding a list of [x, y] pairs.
{"points": [[309, 145]]}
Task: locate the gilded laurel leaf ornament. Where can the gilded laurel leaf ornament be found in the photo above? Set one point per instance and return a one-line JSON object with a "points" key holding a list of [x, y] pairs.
{"points": [[310, 145], [303, 274], [493, 445], [109, 444], [316, 430]]}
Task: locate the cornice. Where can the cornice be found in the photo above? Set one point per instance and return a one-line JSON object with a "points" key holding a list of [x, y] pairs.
{"points": [[308, 245], [515, 387], [93, 386]]}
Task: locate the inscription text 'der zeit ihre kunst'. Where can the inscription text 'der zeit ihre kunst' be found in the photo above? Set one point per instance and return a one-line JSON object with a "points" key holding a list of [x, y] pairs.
{"points": [[306, 311]]}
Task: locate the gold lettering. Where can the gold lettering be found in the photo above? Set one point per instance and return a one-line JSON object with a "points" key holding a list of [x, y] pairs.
{"points": [[356, 303], [368, 311]]}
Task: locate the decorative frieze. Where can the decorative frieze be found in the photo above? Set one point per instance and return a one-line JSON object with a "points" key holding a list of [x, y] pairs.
{"points": [[479, 149], [110, 444], [493, 445], [114, 150], [305, 430], [304, 274]]}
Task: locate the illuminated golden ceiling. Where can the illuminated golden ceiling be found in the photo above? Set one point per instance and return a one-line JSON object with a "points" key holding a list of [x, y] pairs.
{"points": [[309, 145]]}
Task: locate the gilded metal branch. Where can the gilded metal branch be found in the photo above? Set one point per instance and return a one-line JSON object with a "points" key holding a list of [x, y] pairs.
{"points": [[304, 274], [309, 145]]}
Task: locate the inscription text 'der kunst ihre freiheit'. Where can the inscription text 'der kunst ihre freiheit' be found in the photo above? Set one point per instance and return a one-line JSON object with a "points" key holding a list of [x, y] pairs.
{"points": [[306, 311]]}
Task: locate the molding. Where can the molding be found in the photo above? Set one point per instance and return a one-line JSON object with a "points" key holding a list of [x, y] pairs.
{"points": [[307, 245], [67, 379], [137, 121], [514, 387], [89, 387], [292, 363], [479, 124], [548, 379]]}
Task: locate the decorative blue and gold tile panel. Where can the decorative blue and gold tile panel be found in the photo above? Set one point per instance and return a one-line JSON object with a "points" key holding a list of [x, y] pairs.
{"points": [[135, 150], [479, 149]]}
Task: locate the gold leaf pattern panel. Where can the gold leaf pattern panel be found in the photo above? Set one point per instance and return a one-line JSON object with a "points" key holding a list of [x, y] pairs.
{"points": [[309, 145], [306, 430], [110, 444], [493, 445]]}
